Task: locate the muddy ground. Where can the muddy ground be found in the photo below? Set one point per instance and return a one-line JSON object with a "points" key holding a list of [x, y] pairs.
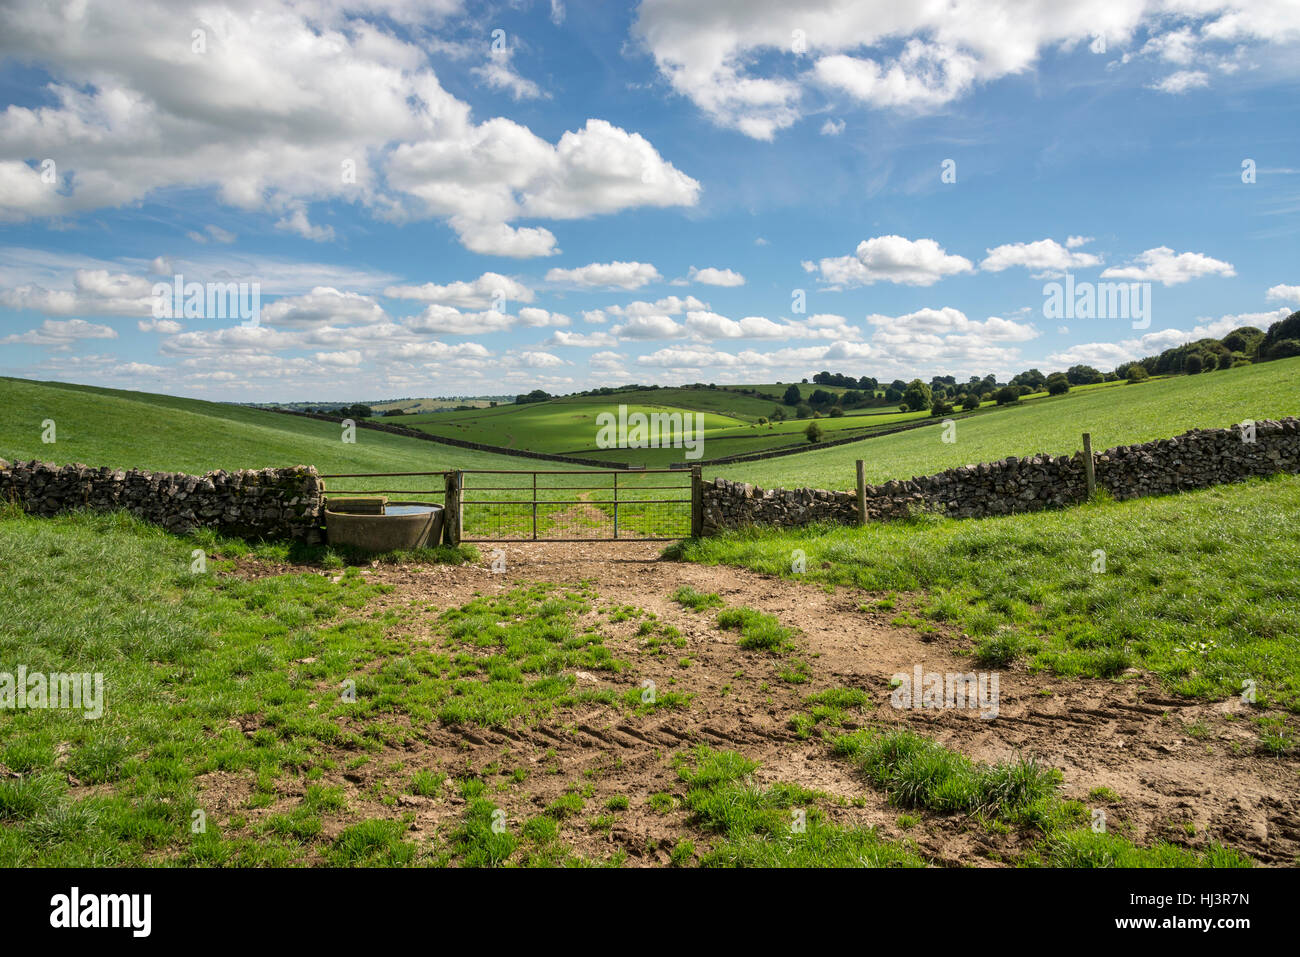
{"points": [[1182, 770]]}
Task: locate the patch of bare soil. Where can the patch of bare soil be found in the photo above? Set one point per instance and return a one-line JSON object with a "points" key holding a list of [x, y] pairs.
{"points": [[1182, 770]]}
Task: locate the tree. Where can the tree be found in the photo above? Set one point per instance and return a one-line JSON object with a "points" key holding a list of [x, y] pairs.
{"points": [[972, 401], [803, 410], [1057, 384], [940, 407], [917, 396], [792, 395], [1278, 333], [1083, 375], [836, 412], [1193, 364], [778, 414], [813, 432], [1137, 372], [1007, 395]]}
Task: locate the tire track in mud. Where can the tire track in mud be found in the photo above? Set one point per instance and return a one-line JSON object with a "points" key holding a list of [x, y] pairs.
{"points": [[1184, 770]]}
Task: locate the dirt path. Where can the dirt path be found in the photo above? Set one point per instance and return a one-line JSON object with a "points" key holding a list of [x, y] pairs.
{"points": [[1182, 770]]}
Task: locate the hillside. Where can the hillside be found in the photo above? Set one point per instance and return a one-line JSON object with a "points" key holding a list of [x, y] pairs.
{"points": [[1115, 415], [143, 430]]}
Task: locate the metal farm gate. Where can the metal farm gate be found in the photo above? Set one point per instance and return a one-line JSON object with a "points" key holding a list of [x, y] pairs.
{"points": [[504, 505]]}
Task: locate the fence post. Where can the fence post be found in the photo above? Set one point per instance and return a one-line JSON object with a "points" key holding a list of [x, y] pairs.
{"points": [[862, 495], [697, 502], [451, 523], [1087, 465]]}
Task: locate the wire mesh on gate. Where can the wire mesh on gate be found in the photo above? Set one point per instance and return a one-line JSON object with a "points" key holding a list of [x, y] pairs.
{"points": [[650, 504]]}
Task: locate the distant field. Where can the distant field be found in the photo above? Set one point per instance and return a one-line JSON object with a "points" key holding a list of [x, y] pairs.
{"points": [[1115, 415], [140, 430], [568, 425]]}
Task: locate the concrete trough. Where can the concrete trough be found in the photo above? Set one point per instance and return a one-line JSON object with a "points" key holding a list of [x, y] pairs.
{"points": [[401, 525]]}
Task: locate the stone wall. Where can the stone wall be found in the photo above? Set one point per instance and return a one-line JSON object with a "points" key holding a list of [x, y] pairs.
{"points": [[1195, 459], [266, 503]]}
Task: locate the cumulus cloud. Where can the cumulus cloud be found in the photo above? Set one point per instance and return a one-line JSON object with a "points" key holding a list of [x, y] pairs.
{"points": [[1164, 266], [752, 66], [710, 276], [61, 333], [1107, 355], [649, 327], [1046, 257], [613, 275], [1182, 81], [320, 102], [324, 305], [1280, 293], [920, 262], [487, 290]]}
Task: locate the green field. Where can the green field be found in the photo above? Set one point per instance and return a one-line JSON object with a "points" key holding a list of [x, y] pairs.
{"points": [[1114, 414], [140, 430], [1202, 589]]}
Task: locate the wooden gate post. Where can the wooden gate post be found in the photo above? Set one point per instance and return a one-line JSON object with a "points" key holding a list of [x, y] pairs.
{"points": [[1087, 465], [862, 495], [697, 502], [451, 519]]}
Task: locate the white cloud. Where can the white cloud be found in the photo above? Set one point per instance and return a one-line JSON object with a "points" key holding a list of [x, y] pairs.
{"points": [[1182, 81], [318, 101], [751, 66], [1288, 294], [487, 290], [1163, 265], [613, 275], [579, 340], [61, 333], [1045, 257], [710, 276], [165, 326], [832, 128], [1074, 242], [920, 262], [649, 327], [1107, 355], [499, 74], [322, 306], [710, 325]]}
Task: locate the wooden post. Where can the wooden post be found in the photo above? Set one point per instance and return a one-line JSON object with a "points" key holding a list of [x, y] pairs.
{"points": [[451, 523], [1087, 465], [862, 495], [697, 502], [534, 506]]}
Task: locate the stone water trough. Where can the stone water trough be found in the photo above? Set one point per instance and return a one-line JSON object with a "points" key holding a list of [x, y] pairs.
{"points": [[372, 524]]}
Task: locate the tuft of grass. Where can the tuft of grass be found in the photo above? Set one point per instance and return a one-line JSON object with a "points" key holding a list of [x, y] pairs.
{"points": [[696, 600], [776, 826], [759, 631], [916, 772]]}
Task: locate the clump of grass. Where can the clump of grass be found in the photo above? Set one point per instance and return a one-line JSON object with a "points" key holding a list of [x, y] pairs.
{"points": [[696, 600], [776, 826], [759, 631], [1084, 847], [916, 772], [372, 843]]}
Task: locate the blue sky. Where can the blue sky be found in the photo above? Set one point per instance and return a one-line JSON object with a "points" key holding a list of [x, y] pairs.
{"points": [[561, 196]]}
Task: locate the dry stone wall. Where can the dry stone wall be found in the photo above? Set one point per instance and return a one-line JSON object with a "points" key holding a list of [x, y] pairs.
{"points": [[266, 503], [1195, 459]]}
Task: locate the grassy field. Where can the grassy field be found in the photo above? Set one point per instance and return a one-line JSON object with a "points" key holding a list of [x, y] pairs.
{"points": [[1201, 589], [132, 429], [291, 682], [731, 427], [1115, 415]]}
